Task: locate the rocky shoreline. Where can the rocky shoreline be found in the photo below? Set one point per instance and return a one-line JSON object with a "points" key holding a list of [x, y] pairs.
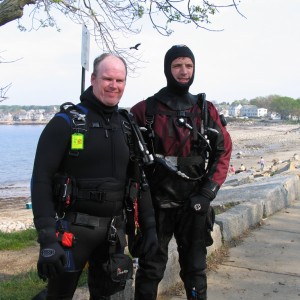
{"points": [[24, 122]]}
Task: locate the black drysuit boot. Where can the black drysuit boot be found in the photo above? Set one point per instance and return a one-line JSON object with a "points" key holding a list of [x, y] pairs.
{"points": [[195, 294]]}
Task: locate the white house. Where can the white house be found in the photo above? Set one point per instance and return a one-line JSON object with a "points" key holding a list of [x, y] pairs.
{"points": [[6, 117], [249, 111], [262, 112], [234, 110], [274, 116]]}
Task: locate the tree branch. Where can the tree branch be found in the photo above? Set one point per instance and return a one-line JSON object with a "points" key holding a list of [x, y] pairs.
{"points": [[11, 10], [108, 20], [3, 91]]}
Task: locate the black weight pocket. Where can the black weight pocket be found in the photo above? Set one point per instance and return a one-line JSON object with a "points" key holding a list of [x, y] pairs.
{"points": [[119, 269]]}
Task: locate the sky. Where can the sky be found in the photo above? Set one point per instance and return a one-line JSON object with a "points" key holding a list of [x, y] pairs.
{"points": [[256, 56]]}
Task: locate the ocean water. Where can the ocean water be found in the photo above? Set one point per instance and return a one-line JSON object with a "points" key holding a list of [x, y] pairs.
{"points": [[17, 151]]}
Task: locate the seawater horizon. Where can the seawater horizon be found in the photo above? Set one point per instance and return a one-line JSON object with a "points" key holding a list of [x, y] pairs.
{"points": [[17, 152]]}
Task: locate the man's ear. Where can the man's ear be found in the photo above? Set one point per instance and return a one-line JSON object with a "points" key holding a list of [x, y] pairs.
{"points": [[93, 77]]}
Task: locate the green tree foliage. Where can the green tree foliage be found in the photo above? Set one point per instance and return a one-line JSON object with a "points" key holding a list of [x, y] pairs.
{"points": [[264, 102], [285, 106], [242, 102]]}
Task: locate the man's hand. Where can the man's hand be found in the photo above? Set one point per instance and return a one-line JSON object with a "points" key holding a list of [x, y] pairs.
{"points": [[199, 204], [52, 256], [51, 260]]}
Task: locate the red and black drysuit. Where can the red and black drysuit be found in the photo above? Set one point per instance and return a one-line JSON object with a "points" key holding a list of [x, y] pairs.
{"points": [[181, 184], [172, 193], [99, 174]]}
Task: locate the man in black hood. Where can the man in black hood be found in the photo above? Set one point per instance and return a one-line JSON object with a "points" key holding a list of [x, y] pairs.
{"points": [[180, 51], [192, 151], [83, 164]]}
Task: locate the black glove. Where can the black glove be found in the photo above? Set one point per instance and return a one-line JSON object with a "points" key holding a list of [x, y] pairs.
{"points": [[52, 256], [149, 243], [199, 204]]}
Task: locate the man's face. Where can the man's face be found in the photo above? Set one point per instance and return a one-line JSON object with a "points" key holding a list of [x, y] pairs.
{"points": [[109, 81], [182, 69]]}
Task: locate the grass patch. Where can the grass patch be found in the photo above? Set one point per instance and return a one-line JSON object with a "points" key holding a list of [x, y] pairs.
{"points": [[18, 240], [21, 287], [26, 285]]}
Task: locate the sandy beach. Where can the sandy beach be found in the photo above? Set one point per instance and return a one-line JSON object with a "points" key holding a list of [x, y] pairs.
{"points": [[251, 141]]}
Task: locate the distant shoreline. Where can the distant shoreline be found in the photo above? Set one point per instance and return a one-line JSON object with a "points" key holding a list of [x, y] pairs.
{"points": [[23, 122]]}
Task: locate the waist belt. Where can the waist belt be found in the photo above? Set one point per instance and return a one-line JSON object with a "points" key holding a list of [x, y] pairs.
{"points": [[92, 221], [100, 196], [182, 161]]}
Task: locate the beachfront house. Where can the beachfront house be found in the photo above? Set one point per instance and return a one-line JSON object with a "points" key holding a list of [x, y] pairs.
{"points": [[252, 111], [234, 110]]}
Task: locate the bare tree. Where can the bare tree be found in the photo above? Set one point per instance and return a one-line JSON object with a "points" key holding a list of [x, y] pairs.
{"points": [[4, 89], [106, 20]]}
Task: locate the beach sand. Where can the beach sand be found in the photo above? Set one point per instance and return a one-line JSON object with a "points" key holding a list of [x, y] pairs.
{"points": [[270, 141]]}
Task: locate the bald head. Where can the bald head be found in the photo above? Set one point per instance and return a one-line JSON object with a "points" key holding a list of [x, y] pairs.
{"points": [[109, 78]]}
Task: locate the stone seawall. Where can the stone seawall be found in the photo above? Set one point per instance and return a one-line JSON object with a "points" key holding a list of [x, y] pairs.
{"points": [[252, 202]]}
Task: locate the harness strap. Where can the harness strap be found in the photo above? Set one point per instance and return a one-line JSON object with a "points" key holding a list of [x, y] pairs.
{"points": [[188, 161], [114, 224], [134, 194], [87, 220], [177, 113], [77, 218], [152, 110], [182, 161], [100, 196], [136, 140]]}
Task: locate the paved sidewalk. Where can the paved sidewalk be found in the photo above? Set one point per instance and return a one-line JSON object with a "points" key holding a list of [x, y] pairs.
{"points": [[266, 265]]}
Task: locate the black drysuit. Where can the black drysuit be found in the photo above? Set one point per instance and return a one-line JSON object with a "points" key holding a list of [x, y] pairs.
{"points": [[101, 171]]}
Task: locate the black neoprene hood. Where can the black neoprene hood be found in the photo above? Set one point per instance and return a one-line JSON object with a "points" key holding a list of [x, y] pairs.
{"points": [[173, 53]]}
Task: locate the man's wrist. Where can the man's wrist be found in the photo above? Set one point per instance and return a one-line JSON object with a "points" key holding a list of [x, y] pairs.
{"points": [[44, 222], [47, 236], [209, 189]]}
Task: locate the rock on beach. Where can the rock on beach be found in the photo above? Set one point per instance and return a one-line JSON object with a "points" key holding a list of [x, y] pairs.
{"points": [[11, 226], [14, 216]]}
